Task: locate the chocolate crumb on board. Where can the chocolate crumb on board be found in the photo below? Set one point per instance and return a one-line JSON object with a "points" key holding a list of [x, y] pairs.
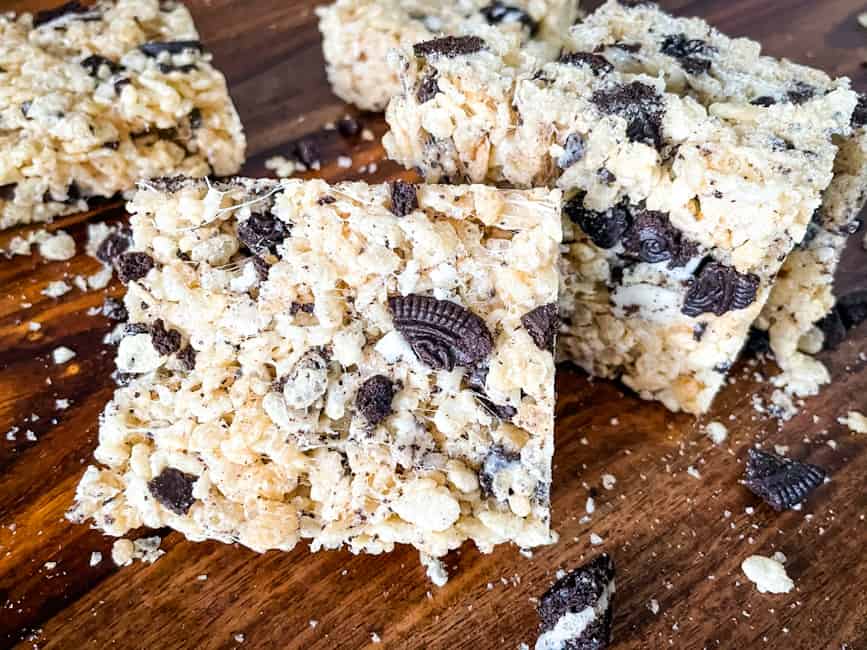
{"points": [[782, 483], [174, 490], [348, 127], [577, 612], [449, 46], [154, 49], [373, 399]]}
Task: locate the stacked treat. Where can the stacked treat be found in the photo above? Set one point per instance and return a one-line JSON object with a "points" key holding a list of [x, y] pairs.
{"points": [[372, 365]]}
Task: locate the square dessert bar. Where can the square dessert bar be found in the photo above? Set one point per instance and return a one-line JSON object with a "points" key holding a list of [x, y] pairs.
{"points": [[94, 97], [677, 217], [726, 75], [357, 36], [349, 364]]}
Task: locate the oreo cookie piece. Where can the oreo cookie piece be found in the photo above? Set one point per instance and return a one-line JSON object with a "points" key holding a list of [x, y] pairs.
{"points": [[573, 151], [441, 333], [427, 87], [651, 238], [499, 12], [605, 229], [801, 92], [576, 613], [859, 115], [114, 245], [187, 358], [764, 101], [165, 341], [498, 460], [373, 399], [133, 266], [782, 483], [404, 198], [693, 53], [596, 62], [640, 105], [114, 309], [542, 324], [174, 490], [154, 48], [263, 232], [719, 289], [7, 192], [94, 62], [449, 46], [50, 15], [476, 381]]}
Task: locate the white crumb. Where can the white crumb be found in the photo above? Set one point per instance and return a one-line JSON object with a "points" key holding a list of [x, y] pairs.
{"points": [[283, 167], [56, 289], [33, 326], [61, 404], [239, 638], [96, 234], [313, 623], [781, 450], [784, 408], [767, 574], [202, 577], [95, 558], [862, 20], [653, 606], [344, 162], [717, 432], [122, 552], [590, 507], [436, 570], [80, 283], [609, 481], [30, 436], [100, 279], [58, 247], [367, 135], [780, 557], [62, 354], [596, 540], [50, 566], [374, 638], [693, 472], [856, 421]]}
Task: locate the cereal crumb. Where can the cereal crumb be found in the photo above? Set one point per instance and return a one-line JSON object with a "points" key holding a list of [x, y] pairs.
{"points": [[436, 570], [202, 577], [58, 247], [596, 540], [367, 135], [283, 167], [717, 432], [95, 558], [313, 623], [780, 557], [122, 552], [344, 162], [374, 638], [56, 289], [653, 606], [239, 637], [590, 507], [856, 421], [33, 326], [767, 574], [50, 566], [693, 472], [61, 404], [62, 354], [609, 481]]}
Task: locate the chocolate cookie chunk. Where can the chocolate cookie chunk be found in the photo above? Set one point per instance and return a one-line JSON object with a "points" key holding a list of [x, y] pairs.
{"points": [[373, 399], [174, 490], [50, 15], [308, 152], [94, 62], [580, 604], [427, 87], [499, 12], [404, 198], [165, 341], [719, 289], [596, 62], [542, 324], [859, 115], [7, 192], [348, 127], [497, 460], [187, 358], [651, 238], [604, 228], [782, 483], [640, 105], [449, 46], [693, 53], [262, 233], [441, 333], [573, 151], [476, 381], [154, 49], [133, 266], [114, 245], [801, 92]]}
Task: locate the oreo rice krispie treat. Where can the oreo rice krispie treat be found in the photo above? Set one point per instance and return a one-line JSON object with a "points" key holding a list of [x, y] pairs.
{"points": [[94, 97], [348, 364], [357, 36], [730, 76], [677, 217]]}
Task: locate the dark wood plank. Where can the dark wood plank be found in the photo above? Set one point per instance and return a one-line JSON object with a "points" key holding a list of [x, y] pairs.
{"points": [[666, 530]]}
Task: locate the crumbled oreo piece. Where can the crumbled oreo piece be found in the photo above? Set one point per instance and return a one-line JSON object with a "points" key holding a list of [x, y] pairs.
{"points": [[719, 289], [449, 46], [764, 101], [404, 198], [640, 105], [596, 62], [441, 333], [693, 53], [497, 460], [373, 399], [262, 268], [113, 309], [573, 151], [187, 358], [604, 228], [50, 15], [174, 490], [427, 87], [134, 329], [263, 232], [801, 92], [758, 342], [165, 341], [542, 324], [326, 200], [94, 62], [499, 12], [308, 152], [652, 238], [348, 127], [154, 49], [859, 115], [133, 266], [577, 612], [7, 192], [782, 483], [632, 48], [476, 380]]}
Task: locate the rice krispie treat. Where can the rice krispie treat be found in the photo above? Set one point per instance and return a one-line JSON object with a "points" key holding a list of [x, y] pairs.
{"points": [[357, 36], [95, 97], [730, 75], [348, 364], [677, 217]]}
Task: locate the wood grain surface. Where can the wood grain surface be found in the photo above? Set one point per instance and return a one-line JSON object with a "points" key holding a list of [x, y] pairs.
{"points": [[668, 531]]}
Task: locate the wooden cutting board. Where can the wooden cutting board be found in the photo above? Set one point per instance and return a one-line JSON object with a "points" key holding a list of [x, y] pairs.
{"points": [[677, 539]]}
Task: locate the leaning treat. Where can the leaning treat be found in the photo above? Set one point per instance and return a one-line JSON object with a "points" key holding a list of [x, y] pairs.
{"points": [[577, 611], [729, 76], [677, 217], [357, 36], [95, 97], [350, 364]]}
